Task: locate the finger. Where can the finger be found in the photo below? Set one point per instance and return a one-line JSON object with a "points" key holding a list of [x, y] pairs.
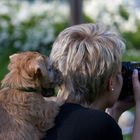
{"points": [[135, 78], [136, 85]]}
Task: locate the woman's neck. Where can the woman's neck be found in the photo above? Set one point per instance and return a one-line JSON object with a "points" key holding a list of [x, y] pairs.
{"points": [[99, 104]]}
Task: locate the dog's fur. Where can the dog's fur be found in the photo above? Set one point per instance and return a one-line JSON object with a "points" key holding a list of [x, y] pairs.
{"points": [[24, 113]]}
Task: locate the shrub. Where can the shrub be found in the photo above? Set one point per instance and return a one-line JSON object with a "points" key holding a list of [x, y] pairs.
{"points": [[26, 26]]}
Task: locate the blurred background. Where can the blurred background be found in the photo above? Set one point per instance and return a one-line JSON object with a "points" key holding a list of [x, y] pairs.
{"points": [[35, 24]]}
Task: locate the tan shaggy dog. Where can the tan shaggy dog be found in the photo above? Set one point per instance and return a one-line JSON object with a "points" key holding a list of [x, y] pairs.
{"points": [[24, 113]]}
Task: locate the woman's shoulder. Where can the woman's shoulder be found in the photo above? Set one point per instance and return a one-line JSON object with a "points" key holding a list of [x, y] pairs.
{"points": [[94, 122], [86, 113], [77, 122], [90, 117]]}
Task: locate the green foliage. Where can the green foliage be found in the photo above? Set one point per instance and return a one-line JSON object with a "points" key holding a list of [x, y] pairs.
{"points": [[24, 29], [131, 55], [60, 26], [123, 12], [132, 38], [88, 19], [127, 137], [4, 60]]}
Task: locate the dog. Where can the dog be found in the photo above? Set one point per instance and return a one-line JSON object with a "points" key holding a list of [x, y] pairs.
{"points": [[24, 113]]}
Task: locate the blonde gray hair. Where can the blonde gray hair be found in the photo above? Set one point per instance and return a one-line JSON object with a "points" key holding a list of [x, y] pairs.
{"points": [[87, 55]]}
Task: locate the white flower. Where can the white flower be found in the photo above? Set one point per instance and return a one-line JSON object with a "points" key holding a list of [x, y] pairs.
{"points": [[102, 11], [31, 25]]}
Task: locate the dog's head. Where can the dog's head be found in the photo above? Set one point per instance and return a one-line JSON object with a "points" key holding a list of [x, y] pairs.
{"points": [[31, 71]]}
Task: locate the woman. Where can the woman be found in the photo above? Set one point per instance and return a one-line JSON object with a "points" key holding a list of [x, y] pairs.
{"points": [[89, 57]]}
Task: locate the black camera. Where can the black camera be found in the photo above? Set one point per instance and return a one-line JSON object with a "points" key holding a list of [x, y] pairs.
{"points": [[127, 70]]}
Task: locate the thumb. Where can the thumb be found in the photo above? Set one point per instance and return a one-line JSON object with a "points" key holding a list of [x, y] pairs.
{"points": [[135, 78], [136, 85]]}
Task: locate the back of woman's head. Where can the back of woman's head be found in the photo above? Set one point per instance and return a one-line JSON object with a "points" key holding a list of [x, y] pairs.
{"points": [[87, 55]]}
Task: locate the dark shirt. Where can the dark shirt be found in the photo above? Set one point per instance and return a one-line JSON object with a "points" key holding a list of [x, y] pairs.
{"points": [[75, 122]]}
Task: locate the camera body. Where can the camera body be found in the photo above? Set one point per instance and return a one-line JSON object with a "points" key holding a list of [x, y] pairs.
{"points": [[127, 70]]}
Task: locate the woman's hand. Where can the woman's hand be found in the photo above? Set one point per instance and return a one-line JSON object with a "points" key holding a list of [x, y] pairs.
{"points": [[136, 90], [136, 87], [120, 106], [123, 105]]}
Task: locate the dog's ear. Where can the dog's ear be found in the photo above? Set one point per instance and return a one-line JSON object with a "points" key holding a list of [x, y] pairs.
{"points": [[40, 66], [13, 60], [37, 70], [13, 56]]}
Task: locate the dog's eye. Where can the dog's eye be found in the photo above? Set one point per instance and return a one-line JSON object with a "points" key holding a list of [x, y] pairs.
{"points": [[49, 69]]}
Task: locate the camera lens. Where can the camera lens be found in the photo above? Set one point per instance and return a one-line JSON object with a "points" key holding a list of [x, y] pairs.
{"points": [[127, 70]]}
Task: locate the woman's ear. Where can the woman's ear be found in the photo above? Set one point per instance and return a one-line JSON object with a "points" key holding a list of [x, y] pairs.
{"points": [[111, 84]]}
